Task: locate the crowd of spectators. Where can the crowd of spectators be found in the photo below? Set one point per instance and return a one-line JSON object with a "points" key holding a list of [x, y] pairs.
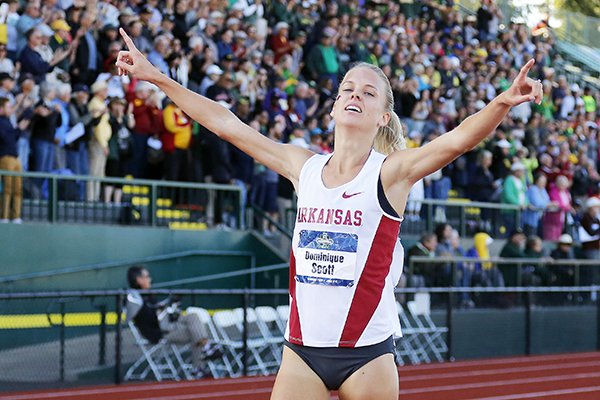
{"points": [[534, 265], [276, 65]]}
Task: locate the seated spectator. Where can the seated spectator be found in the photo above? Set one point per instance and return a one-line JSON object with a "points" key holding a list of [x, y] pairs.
{"points": [[464, 270], [535, 274], [154, 323], [589, 236], [424, 274], [444, 249], [514, 248], [485, 273], [565, 274]]}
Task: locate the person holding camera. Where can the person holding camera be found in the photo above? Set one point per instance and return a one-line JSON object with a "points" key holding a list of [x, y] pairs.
{"points": [[157, 320]]}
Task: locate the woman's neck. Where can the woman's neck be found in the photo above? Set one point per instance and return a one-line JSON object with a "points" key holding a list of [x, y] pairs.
{"points": [[349, 153]]}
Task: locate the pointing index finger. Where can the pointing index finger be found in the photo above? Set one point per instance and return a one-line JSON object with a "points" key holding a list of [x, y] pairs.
{"points": [[526, 68], [127, 39]]}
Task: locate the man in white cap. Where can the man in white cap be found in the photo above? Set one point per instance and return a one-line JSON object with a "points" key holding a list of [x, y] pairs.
{"points": [[565, 274], [213, 72], [501, 159], [589, 234]]}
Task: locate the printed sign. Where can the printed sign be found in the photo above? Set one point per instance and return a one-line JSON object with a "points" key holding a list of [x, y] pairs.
{"points": [[326, 258]]}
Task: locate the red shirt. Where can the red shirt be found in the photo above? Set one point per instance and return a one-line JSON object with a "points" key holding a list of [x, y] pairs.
{"points": [[148, 119], [280, 45]]}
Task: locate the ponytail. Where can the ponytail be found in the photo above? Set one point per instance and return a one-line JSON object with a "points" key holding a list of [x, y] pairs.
{"points": [[390, 137]]}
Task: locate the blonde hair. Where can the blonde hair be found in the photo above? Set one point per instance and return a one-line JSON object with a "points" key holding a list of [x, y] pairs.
{"points": [[389, 137]]}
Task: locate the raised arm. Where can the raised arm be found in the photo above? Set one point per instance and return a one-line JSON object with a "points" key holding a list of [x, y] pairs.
{"points": [[413, 164], [284, 159]]}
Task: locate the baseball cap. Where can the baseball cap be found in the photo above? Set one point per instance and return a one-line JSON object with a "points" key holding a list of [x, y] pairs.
{"points": [[281, 25], [4, 76], [516, 231], [127, 12], [505, 144], [98, 86], [216, 14], [232, 21], [517, 167], [60, 25], [592, 202], [565, 238], [45, 30], [80, 87], [214, 70]]}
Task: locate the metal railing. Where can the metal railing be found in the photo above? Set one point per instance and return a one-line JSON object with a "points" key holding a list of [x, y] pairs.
{"points": [[513, 267], [466, 216], [80, 338], [104, 266], [65, 198], [183, 205]]}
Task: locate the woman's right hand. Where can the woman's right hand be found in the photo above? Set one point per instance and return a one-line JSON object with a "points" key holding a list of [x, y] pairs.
{"points": [[133, 62]]}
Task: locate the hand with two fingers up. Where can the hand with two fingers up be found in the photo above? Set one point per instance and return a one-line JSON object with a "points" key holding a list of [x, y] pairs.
{"points": [[523, 88]]}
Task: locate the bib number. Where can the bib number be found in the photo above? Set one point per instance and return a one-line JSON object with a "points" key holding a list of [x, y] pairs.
{"points": [[326, 258]]}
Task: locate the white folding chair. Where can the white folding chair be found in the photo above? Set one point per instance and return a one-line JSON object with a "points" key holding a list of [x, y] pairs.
{"points": [[156, 359], [222, 366], [267, 319], [411, 346], [260, 346], [227, 328], [433, 335], [284, 313]]}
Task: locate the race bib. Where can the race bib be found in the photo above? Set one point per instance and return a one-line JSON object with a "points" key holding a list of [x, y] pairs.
{"points": [[326, 258]]}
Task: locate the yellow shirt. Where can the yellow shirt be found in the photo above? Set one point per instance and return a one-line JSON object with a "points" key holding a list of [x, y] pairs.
{"points": [[102, 131], [179, 125]]}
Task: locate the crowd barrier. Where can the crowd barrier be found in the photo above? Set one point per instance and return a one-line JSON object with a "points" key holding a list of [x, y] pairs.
{"points": [[67, 339]]}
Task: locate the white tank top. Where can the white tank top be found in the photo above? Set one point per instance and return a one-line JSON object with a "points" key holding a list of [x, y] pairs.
{"points": [[346, 261]]}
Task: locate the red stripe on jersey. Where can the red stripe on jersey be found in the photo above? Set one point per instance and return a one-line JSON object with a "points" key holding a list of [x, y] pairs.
{"points": [[295, 331], [371, 282]]}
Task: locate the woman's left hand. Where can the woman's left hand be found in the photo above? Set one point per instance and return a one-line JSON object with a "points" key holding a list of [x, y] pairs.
{"points": [[523, 88]]}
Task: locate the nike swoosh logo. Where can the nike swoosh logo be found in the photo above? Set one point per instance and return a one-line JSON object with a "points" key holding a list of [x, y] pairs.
{"points": [[347, 196]]}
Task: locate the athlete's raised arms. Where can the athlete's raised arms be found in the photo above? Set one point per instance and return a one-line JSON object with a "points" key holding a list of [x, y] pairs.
{"points": [[284, 159], [405, 167]]}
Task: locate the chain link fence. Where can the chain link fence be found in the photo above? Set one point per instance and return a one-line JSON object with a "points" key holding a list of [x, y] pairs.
{"points": [[54, 340]]}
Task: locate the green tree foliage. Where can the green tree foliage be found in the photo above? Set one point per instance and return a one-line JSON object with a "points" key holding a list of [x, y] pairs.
{"points": [[586, 7]]}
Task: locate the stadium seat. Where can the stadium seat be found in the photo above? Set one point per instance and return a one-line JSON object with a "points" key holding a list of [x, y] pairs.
{"points": [[160, 359]]}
